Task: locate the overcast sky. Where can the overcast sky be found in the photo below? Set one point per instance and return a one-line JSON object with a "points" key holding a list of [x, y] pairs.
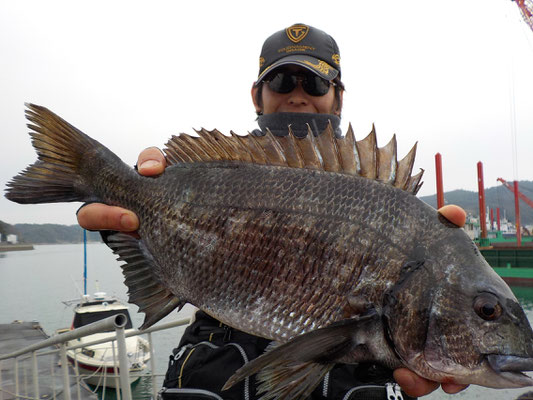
{"points": [[454, 75]]}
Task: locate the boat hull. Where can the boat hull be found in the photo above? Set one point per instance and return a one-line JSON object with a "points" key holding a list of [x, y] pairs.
{"points": [[101, 376], [514, 264]]}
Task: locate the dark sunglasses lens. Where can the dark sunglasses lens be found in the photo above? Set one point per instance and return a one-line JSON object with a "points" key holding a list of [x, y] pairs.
{"points": [[315, 85], [282, 83]]}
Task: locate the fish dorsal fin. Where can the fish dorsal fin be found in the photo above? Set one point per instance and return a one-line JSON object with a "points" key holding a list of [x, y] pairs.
{"points": [[325, 152]]}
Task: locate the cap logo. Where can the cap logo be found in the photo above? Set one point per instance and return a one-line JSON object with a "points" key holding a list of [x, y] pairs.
{"points": [[297, 32], [336, 58], [322, 66]]}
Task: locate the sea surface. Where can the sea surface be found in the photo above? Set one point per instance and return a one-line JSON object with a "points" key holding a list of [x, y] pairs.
{"points": [[34, 283]]}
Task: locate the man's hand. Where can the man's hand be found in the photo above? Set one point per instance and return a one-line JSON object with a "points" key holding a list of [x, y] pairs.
{"points": [[97, 216], [454, 214], [416, 386]]}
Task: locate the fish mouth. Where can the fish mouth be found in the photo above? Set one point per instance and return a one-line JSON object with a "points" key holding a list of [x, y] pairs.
{"points": [[512, 368]]}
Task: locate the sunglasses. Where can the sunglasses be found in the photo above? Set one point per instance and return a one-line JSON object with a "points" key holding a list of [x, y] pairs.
{"points": [[286, 82]]}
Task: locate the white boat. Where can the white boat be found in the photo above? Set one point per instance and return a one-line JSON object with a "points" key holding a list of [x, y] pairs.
{"points": [[98, 364]]}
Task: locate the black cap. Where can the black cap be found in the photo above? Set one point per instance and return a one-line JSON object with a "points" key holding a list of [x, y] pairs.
{"points": [[302, 45]]}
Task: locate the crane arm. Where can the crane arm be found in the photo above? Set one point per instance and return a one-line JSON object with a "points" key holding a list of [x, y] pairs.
{"points": [[526, 200]]}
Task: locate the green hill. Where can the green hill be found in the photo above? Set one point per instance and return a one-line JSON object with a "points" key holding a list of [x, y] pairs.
{"points": [[495, 197], [47, 233]]}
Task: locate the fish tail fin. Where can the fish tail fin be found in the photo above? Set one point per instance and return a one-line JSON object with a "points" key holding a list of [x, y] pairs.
{"points": [[63, 151]]}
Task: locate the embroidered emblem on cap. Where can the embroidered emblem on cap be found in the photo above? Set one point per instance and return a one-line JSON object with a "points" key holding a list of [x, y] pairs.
{"points": [[297, 32], [261, 62], [336, 58], [322, 66]]}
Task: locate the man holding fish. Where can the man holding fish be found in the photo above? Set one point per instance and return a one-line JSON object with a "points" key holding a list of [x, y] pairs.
{"points": [[299, 84]]}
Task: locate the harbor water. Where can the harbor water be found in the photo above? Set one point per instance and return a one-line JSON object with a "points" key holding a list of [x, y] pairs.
{"points": [[34, 283]]}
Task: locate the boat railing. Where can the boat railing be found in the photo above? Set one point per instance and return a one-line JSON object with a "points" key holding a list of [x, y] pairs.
{"points": [[114, 323]]}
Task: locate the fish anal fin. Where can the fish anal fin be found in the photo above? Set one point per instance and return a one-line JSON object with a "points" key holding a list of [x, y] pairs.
{"points": [[152, 298], [293, 369]]}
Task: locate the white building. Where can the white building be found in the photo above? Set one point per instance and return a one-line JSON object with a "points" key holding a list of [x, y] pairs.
{"points": [[12, 239]]}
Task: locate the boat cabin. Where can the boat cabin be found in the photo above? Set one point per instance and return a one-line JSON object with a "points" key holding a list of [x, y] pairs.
{"points": [[92, 311]]}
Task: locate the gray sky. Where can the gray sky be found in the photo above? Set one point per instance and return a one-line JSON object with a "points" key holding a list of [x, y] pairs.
{"points": [[454, 75]]}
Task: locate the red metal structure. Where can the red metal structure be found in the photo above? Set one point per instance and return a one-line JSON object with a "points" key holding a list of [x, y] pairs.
{"points": [[526, 9], [517, 195], [525, 199], [438, 172], [517, 215], [498, 218], [481, 191]]}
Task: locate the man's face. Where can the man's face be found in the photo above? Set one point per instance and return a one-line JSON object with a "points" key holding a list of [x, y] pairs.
{"points": [[297, 100]]}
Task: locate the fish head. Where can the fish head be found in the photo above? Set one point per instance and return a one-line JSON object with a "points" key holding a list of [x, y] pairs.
{"points": [[461, 324]]}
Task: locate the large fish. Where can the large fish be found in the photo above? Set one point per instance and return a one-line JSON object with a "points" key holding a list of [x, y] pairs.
{"points": [[282, 238]]}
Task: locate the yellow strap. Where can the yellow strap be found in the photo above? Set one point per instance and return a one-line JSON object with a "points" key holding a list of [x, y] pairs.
{"points": [[183, 365]]}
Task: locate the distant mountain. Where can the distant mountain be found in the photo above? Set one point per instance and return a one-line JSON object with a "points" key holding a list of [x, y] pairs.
{"points": [[495, 197], [47, 233], [6, 229]]}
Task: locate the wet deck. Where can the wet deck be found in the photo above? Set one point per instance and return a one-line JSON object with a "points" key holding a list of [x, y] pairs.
{"points": [[18, 335]]}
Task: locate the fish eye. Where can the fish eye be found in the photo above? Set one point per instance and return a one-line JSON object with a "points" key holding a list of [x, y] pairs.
{"points": [[488, 307]]}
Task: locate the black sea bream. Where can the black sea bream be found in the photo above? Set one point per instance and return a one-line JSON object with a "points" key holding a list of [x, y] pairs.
{"points": [[317, 243]]}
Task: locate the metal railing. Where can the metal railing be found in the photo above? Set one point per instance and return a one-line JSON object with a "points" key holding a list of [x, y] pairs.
{"points": [[116, 323]]}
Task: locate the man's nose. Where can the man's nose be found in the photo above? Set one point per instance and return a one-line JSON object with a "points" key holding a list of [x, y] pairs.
{"points": [[298, 95]]}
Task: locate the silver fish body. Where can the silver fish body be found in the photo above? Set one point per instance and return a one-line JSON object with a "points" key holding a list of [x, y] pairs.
{"points": [[333, 266]]}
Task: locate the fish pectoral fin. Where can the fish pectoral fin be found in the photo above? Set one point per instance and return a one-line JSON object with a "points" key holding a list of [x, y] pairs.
{"points": [[145, 290], [293, 370]]}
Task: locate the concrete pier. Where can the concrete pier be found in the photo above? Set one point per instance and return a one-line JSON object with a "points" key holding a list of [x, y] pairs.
{"points": [[19, 335], [15, 247]]}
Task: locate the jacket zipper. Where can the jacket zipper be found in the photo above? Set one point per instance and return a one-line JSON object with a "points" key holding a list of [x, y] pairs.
{"points": [[393, 391]]}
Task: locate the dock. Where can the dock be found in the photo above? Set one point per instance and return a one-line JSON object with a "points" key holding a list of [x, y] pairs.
{"points": [[15, 247], [18, 378]]}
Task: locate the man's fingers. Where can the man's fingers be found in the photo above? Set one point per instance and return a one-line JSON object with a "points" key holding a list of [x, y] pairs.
{"points": [[151, 162], [454, 214], [412, 384], [99, 217], [452, 388]]}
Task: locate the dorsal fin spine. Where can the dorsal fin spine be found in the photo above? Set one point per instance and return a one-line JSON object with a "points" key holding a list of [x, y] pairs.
{"points": [[194, 145], [259, 156]]}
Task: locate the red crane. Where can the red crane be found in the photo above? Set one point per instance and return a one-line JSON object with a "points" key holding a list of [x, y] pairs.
{"points": [[526, 9], [526, 200]]}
